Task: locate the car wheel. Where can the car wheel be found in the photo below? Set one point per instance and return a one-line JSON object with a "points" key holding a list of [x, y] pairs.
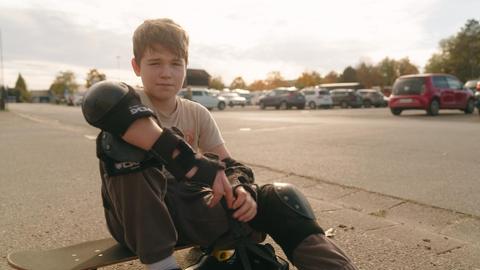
{"points": [[262, 105], [396, 111], [312, 105], [433, 107], [367, 103], [344, 104], [221, 106], [283, 105], [470, 107]]}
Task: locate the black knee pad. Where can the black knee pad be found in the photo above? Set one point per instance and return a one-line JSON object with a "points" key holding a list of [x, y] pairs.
{"points": [[285, 214]]}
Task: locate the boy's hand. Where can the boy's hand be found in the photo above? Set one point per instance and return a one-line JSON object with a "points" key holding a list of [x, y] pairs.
{"points": [[221, 187], [244, 205]]}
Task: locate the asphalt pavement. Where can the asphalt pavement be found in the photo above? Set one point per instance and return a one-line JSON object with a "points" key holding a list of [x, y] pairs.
{"points": [[50, 185]]}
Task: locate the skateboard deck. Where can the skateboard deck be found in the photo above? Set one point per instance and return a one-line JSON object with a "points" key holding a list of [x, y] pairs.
{"points": [[83, 256]]}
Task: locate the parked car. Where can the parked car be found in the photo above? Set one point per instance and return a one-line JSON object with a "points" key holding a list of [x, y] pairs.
{"points": [[430, 92], [317, 97], [257, 96], [244, 93], [283, 98], [205, 97], [346, 98], [477, 98], [78, 99], [473, 85], [234, 99], [372, 97]]}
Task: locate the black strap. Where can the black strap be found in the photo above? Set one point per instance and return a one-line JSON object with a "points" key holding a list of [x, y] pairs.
{"points": [[243, 244]]}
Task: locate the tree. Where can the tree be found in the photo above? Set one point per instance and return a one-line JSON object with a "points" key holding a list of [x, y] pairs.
{"points": [[217, 83], [437, 64], [274, 80], [238, 83], [388, 71], [459, 54], [368, 75], [308, 79], [21, 87], [331, 77], [349, 75], [257, 85], [94, 76], [64, 84], [404, 67]]}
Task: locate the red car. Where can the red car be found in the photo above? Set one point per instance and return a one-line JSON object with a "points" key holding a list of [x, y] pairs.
{"points": [[430, 92]]}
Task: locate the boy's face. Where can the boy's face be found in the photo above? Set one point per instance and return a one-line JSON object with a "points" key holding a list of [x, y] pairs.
{"points": [[162, 73]]}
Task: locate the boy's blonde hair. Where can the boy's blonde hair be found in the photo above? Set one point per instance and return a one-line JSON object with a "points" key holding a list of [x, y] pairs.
{"points": [[164, 32]]}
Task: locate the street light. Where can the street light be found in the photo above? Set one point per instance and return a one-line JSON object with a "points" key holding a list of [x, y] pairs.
{"points": [[2, 91]]}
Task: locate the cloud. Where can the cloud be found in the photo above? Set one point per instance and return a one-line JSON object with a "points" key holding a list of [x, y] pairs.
{"points": [[246, 38], [44, 35]]}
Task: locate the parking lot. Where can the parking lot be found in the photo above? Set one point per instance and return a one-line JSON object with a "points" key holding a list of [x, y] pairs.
{"points": [[427, 159], [383, 176]]}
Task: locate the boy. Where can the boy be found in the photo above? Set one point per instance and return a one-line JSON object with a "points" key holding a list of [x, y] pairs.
{"points": [[159, 192]]}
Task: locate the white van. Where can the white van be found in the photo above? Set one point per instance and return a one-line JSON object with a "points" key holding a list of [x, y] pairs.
{"points": [[317, 97], [205, 97]]}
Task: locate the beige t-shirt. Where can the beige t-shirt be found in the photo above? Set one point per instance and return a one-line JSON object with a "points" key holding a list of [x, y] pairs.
{"points": [[193, 120]]}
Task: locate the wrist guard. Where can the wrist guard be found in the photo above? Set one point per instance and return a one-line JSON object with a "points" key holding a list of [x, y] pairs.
{"points": [[186, 159], [240, 175]]}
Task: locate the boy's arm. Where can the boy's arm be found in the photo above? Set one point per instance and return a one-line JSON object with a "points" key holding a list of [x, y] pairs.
{"points": [[240, 177], [116, 108], [221, 151]]}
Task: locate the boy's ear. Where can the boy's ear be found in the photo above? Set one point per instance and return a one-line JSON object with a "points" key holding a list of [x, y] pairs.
{"points": [[135, 66]]}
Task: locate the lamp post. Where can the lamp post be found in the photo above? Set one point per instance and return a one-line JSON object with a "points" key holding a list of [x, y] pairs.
{"points": [[2, 89]]}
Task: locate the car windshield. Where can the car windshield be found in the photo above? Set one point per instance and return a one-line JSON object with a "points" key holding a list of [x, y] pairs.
{"points": [[409, 86]]}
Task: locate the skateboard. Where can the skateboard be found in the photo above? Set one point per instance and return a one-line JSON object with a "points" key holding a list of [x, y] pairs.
{"points": [[83, 256]]}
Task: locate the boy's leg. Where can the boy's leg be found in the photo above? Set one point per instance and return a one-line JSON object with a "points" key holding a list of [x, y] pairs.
{"points": [[318, 252], [297, 231], [136, 214], [196, 222]]}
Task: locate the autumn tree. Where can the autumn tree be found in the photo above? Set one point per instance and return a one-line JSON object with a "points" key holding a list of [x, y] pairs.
{"points": [[390, 69], [217, 83], [331, 77], [308, 79], [257, 85], [459, 54], [21, 87], [274, 80], [238, 83], [94, 76], [368, 75], [349, 75], [64, 84], [405, 67]]}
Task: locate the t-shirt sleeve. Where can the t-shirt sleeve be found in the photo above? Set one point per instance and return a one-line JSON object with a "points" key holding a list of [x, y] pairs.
{"points": [[210, 135]]}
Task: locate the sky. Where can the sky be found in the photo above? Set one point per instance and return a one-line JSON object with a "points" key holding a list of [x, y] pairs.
{"points": [[247, 38]]}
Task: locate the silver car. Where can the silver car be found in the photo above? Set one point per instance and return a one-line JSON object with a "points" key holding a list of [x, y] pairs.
{"points": [[203, 96], [317, 97], [234, 99]]}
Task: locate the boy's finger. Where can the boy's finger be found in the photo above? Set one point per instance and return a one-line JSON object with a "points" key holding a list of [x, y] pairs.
{"points": [[217, 194], [227, 188], [238, 201]]}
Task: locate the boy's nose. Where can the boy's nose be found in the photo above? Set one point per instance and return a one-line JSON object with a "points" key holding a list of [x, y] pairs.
{"points": [[165, 72]]}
